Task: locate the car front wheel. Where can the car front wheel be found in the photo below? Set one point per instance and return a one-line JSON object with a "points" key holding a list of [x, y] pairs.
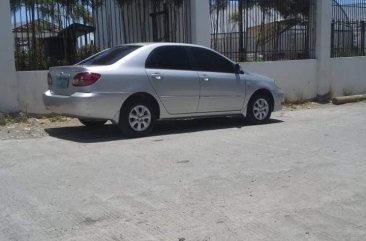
{"points": [[259, 109], [137, 119]]}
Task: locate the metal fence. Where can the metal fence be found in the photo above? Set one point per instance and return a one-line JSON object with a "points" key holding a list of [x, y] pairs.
{"points": [[58, 32], [263, 30], [348, 29]]}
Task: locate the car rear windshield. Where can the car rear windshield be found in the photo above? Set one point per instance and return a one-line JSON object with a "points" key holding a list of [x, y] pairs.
{"points": [[110, 56]]}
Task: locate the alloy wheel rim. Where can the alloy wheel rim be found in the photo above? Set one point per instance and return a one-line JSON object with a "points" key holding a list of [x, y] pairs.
{"points": [[261, 109], [139, 118]]}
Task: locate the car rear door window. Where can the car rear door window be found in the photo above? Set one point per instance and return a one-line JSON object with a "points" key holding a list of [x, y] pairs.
{"points": [[169, 57], [207, 60], [110, 56]]}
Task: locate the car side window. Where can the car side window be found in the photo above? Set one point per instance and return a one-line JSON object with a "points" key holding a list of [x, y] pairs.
{"points": [[207, 60], [169, 57]]}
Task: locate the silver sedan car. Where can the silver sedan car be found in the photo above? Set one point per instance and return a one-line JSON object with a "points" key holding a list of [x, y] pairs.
{"points": [[135, 85]]}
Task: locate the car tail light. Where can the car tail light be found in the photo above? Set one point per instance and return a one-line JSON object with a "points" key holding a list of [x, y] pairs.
{"points": [[85, 79], [49, 79]]}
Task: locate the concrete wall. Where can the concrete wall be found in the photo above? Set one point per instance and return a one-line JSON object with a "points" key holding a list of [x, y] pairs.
{"points": [[323, 47], [348, 75], [298, 82], [31, 86], [297, 78], [8, 85]]}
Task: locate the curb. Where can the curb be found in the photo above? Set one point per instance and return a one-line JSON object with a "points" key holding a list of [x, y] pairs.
{"points": [[348, 99]]}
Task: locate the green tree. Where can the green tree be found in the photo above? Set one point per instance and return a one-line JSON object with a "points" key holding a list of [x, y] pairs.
{"points": [[298, 9], [293, 8], [286, 8], [61, 13]]}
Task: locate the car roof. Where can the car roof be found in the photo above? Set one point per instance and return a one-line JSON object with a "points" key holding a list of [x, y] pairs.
{"points": [[158, 44]]}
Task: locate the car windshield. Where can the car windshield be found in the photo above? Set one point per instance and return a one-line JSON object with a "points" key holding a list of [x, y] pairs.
{"points": [[110, 56]]}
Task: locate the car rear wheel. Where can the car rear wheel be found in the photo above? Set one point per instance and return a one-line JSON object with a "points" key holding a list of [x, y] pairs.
{"points": [[259, 109], [137, 119], [92, 123]]}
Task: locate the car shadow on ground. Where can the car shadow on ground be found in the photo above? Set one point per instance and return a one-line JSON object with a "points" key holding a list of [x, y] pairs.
{"points": [[107, 133]]}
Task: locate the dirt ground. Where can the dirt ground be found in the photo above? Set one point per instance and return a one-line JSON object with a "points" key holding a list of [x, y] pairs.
{"points": [[20, 125]]}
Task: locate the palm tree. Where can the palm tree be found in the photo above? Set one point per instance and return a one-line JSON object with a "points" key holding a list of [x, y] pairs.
{"points": [[298, 9], [286, 8], [292, 8]]}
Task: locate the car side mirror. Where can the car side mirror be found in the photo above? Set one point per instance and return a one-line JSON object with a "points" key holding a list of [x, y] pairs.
{"points": [[237, 68]]}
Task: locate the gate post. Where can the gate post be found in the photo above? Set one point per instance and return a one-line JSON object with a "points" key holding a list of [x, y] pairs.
{"points": [[323, 48], [8, 81], [200, 22]]}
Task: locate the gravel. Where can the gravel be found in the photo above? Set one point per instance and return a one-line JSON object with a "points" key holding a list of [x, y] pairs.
{"points": [[20, 126]]}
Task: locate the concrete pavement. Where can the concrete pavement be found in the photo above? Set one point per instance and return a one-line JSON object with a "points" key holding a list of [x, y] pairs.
{"points": [[302, 177]]}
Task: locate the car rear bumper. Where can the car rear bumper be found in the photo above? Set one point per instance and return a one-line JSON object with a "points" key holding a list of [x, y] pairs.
{"points": [[279, 98], [85, 105]]}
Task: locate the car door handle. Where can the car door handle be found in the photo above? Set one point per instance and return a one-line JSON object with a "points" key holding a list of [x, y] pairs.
{"points": [[205, 78], [157, 76]]}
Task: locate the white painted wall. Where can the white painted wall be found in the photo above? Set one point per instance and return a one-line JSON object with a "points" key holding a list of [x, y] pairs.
{"points": [[8, 85], [348, 75], [297, 78], [31, 86], [298, 82]]}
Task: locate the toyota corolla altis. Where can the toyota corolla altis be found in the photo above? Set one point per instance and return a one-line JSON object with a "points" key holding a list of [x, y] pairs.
{"points": [[135, 85]]}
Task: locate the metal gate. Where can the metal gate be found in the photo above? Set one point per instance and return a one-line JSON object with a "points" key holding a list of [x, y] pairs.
{"points": [[124, 21], [58, 32]]}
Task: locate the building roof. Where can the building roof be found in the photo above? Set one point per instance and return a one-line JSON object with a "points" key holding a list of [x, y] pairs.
{"points": [[41, 26]]}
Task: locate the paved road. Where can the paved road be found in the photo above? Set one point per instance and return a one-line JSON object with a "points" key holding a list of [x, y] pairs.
{"points": [[302, 177]]}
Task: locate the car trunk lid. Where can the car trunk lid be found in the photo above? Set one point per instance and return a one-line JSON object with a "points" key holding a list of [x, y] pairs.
{"points": [[62, 79]]}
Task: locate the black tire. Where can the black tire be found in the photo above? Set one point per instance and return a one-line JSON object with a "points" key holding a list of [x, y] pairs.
{"points": [[129, 126], [92, 123], [258, 113]]}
